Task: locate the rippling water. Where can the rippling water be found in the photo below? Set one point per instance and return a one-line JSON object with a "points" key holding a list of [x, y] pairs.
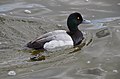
{"points": [[24, 20]]}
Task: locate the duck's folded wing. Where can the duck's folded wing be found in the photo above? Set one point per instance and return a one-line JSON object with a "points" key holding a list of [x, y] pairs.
{"points": [[39, 43]]}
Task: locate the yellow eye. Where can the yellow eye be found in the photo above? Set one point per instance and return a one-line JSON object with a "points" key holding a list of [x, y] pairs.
{"points": [[78, 18]]}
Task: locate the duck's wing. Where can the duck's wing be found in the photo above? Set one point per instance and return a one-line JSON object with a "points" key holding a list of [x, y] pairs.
{"points": [[40, 41], [38, 44]]}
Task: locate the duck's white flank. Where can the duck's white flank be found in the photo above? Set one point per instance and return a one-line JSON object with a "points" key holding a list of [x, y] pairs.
{"points": [[60, 39]]}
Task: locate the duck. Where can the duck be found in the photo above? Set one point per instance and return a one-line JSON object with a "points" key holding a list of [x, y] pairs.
{"points": [[60, 38]]}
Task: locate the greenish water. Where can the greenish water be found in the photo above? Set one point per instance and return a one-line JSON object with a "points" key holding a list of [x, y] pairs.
{"points": [[24, 20]]}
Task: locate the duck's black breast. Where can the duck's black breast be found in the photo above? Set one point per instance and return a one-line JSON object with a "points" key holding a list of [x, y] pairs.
{"points": [[77, 37]]}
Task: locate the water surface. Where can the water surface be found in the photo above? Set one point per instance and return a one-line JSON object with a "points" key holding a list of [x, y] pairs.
{"points": [[24, 20]]}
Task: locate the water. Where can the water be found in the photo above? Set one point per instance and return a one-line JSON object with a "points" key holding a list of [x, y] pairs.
{"points": [[24, 20]]}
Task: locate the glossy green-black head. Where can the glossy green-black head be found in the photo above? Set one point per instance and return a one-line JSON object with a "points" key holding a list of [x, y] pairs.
{"points": [[74, 20]]}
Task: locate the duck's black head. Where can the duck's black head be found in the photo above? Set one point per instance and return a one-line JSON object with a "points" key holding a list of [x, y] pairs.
{"points": [[74, 20]]}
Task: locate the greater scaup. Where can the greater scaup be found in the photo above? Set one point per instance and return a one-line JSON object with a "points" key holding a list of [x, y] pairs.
{"points": [[60, 38]]}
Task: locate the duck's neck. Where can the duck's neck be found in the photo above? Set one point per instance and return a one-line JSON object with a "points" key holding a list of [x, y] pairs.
{"points": [[76, 36]]}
